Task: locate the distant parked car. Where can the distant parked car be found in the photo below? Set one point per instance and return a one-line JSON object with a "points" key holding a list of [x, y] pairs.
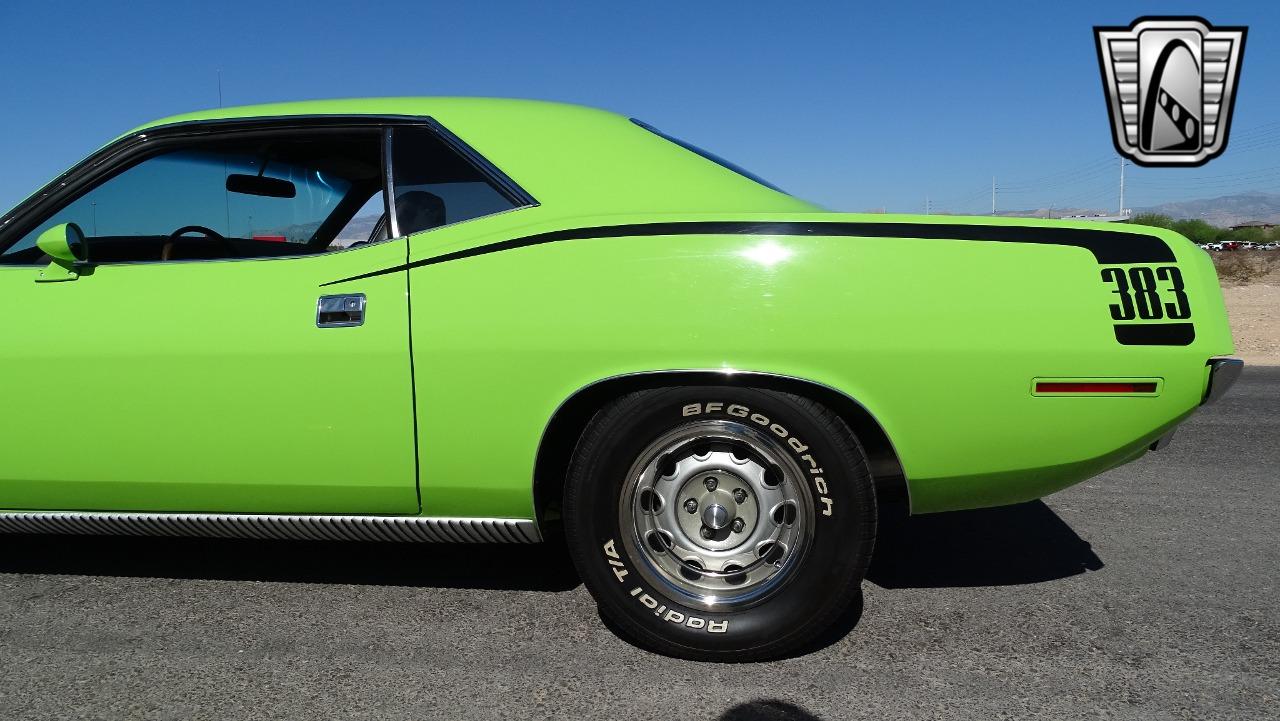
{"points": [[1213, 246], [1269, 246], [1247, 245]]}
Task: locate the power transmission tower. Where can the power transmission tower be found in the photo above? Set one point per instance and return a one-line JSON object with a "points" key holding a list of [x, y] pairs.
{"points": [[993, 195], [1122, 185]]}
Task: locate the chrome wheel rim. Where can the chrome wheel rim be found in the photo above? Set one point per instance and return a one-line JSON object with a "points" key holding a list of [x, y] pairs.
{"points": [[718, 512]]}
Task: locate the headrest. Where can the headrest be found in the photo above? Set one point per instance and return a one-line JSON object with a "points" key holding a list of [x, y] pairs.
{"points": [[418, 210]]}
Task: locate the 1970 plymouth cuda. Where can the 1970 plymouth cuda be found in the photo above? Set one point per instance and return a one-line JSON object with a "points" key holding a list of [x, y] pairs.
{"points": [[492, 320]]}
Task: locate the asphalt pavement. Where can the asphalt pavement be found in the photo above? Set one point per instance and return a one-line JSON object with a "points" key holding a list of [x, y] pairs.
{"points": [[1148, 592]]}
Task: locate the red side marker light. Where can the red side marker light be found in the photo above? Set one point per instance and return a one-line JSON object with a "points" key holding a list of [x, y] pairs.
{"points": [[1052, 387]]}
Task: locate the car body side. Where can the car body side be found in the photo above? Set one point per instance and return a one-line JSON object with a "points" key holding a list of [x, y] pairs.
{"points": [[938, 339]]}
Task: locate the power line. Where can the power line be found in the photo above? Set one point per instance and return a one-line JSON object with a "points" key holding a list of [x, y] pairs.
{"points": [[1066, 176], [1262, 136]]}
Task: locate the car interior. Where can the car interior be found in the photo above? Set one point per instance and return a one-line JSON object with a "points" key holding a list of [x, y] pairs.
{"points": [[273, 195]]}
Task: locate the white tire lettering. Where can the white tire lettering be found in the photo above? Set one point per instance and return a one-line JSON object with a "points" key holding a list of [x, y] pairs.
{"points": [[676, 617], [795, 444], [615, 563]]}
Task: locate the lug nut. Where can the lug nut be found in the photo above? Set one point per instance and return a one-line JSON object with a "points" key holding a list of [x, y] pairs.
{"points": [[710, 483], [739, 495], [707, 533], [691, 506], [738, 525]]}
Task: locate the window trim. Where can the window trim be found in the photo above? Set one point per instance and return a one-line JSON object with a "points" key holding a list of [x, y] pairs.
{"points": [[117, 156], [389, 184], [708, 155]]}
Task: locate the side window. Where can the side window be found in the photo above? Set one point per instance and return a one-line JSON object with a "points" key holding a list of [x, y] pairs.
{"points": [[434, 186], [368, 225], [242, 197]]}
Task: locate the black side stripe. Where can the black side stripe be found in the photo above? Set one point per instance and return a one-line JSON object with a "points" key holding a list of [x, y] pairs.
{"points": [[1109, 247]]}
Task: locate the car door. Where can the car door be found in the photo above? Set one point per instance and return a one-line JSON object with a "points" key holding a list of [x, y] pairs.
{"points": [[195, 371]]}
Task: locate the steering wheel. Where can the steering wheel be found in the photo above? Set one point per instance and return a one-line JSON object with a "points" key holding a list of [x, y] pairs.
{"points": [[166, 251]]}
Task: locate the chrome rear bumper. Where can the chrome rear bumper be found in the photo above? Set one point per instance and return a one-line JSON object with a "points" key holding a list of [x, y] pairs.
{"points": [[1223, 373]]}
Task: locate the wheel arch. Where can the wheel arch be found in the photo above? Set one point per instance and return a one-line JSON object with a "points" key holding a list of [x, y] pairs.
{"points": [[570, 419]]}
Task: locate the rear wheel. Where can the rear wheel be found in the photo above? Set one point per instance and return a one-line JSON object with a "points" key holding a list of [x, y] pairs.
{"points": [[720, 523]]}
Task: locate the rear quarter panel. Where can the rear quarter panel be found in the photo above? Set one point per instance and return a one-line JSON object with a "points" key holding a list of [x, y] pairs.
{"points": [[939, 339]]}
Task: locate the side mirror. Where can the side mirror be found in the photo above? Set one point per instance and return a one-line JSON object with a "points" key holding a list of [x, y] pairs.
{"points": [[63, 242], [66, 245]]}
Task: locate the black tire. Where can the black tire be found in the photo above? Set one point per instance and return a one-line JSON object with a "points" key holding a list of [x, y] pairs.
{"points": [[817, 590]]}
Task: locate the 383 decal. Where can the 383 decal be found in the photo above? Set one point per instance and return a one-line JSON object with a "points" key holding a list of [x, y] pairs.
{"points": [[1147, 293]]}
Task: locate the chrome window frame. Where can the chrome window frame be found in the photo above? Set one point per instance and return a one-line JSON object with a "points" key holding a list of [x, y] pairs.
{"points": [[389, 185]]}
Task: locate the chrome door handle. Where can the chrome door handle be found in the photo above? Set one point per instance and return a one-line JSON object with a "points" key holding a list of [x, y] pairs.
{"points": [[340, 311]]}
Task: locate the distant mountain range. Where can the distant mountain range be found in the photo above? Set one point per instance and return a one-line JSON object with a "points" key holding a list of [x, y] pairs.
{"points": [[1223, 211], [358, 228]]}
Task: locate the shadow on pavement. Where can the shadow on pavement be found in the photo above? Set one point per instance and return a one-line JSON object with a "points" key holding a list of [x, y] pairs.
{"points": [[767, 710], [1019, 544], [1011, 545], [539, 567]]}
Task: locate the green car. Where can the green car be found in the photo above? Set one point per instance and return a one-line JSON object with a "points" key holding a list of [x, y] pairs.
{"points": [[480, 320]]}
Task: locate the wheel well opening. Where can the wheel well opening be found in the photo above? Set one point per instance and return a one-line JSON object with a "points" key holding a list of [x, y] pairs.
{"points": [[566, 426]]}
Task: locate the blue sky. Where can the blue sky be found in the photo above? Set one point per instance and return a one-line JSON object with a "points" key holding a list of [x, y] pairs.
{"points": [[855, 105]]}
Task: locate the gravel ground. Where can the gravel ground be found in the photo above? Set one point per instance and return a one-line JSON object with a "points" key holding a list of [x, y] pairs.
{"points": [[1254, 312], [1149, 592]]}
